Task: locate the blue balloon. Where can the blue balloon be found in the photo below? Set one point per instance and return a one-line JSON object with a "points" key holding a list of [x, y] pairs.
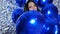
{"points": [[42, 3], [16, 13], [50, 11], [21, 3], [30, 23]]}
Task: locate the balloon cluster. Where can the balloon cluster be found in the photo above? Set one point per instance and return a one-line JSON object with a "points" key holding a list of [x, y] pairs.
{"points": [[51, 14], [33, 22]]}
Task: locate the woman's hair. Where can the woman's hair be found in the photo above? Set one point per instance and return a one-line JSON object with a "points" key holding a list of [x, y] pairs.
{"points": [[26, 5]]}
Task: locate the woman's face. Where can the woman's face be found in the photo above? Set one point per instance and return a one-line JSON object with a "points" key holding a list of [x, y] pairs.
{"points": [[32, 6]]}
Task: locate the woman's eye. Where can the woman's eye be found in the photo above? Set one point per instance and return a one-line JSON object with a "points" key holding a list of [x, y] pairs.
{"points": [[32, 6]]}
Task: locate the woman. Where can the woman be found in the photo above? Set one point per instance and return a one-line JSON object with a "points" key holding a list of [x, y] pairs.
{"points": [[31, 5]]}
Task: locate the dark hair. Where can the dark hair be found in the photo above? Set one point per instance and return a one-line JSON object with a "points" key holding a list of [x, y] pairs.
{"points": [[26, 5]]}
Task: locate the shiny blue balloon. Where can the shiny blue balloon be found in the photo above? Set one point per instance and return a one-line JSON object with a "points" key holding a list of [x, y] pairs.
{"points": [[30, 23], [42, 3], [16, 13], [51, 14], [50, 11], [21, 3]]}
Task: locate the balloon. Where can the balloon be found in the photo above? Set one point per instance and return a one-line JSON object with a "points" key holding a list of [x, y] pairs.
{"points": [[30, 23], [50, 11], [21, 2], [16, 13], [42, 3]]}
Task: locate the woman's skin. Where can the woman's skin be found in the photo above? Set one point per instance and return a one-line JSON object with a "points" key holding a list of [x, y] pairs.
{"points": [[32, 6]]}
